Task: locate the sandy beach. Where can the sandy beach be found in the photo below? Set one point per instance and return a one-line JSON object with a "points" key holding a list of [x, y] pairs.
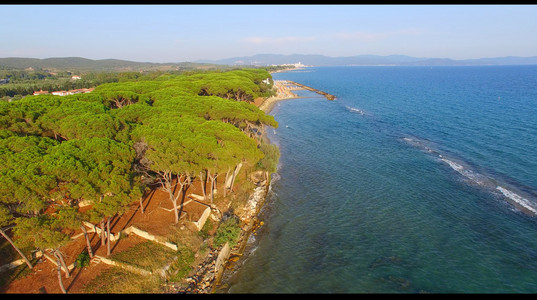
{"points": [[284, 91]]}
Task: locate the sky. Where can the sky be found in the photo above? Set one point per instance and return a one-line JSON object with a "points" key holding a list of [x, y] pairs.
{"points": [[181, 33]]}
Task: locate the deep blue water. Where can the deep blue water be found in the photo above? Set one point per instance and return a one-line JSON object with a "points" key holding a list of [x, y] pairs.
{"points": [[415, 179]]}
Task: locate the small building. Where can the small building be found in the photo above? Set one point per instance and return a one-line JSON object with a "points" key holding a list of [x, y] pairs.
{"points": [[61, 93], [71, 92], [40, 92]]}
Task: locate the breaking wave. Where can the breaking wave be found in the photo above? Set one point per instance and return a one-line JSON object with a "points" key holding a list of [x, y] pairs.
{"points": [[510, 192], [355, 110], [472, 175], [519, 200]]}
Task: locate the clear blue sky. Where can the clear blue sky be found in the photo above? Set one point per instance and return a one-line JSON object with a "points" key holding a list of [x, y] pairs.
{"points": [[178, 33]]}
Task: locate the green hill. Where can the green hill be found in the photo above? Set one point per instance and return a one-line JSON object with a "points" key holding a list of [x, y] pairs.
{"points": [[89, 65]]}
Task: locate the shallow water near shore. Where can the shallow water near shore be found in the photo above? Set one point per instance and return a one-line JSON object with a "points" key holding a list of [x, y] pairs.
{"points": [[415, 179]]}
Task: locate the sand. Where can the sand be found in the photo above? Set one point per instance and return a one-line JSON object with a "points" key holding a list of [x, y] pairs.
{"points": [[283, 92]]}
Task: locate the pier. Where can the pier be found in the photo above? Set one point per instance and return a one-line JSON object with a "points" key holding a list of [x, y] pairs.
{"points": [[284, 90], [328, 96]]}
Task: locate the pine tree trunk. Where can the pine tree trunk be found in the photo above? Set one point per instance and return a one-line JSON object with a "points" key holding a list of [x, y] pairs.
{"points": [[225, 182], [60, 281], [102, 232], [202, 183], [175, 211], [213, 185], [141, 205], [212, 189], [88, 243], [67, 275], [16, 249], [166, 183], [234, 175], [108, 237]]}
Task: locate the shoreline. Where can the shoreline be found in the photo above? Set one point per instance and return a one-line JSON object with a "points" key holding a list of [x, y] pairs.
{"points": [[240, 252], [220, 280], [284, 92], [236, 258]]}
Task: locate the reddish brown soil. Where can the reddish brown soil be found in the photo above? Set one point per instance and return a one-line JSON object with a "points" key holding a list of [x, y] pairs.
{"points": [[155, 220]]}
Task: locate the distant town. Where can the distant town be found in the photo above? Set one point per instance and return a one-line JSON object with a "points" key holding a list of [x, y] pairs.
{"points": [[296, 65]]}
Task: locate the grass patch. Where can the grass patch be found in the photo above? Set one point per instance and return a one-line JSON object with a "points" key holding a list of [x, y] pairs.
{"points": [[182, 265], [148, 255], [116, 280]]}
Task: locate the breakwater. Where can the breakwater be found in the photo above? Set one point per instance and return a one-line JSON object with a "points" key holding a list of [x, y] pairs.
{"points": [[328, 96]]}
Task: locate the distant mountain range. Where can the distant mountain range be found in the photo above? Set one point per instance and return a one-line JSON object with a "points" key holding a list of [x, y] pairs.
{"points": [[84, 64], [367, 60]]}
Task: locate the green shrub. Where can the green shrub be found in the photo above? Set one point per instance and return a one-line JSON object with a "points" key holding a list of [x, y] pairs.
{"points": [[228, 231], [83, 259]]}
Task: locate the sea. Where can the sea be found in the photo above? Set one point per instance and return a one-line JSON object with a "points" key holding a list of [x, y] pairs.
{"points": [[414, 180]]}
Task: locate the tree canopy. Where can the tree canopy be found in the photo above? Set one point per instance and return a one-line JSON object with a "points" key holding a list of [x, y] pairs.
{"points": [[59, 151]]}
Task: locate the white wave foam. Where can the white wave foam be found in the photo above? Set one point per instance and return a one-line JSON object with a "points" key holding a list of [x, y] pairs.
{"points": [[455, 166], [518, 199], [355, 110], [473, 176], [251, 240], [420, 144], [275, 177], [514, 198]]}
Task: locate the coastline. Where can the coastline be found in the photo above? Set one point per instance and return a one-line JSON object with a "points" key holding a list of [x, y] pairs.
{"points": [[210, 276], [257, 201], [284, 91]]}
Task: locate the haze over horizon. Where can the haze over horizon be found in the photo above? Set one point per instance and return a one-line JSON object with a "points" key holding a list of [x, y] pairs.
{"points": [[179, 33]]}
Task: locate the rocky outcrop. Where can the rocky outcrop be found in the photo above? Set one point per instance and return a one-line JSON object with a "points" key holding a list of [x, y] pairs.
{"points": [[209, 272], [202, 281]]}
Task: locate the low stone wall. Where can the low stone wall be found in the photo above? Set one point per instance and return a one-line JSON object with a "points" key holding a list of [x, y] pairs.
{"points": [[123, 266], [220, 261], [148, 236], [97, 229], [199, 223]]}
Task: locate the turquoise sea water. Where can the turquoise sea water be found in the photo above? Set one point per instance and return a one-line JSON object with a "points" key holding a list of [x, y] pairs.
{"points": [[415, 179]]}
